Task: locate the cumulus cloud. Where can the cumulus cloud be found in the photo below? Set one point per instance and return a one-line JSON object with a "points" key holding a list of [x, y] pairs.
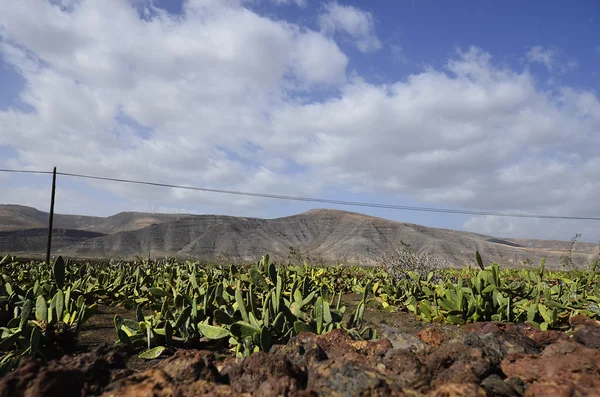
{"points": [[475, 135], [202, 80], [350, 21], [223, 97], [474, 118]]}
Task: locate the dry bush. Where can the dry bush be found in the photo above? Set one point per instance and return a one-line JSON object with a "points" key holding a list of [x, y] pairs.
{"points": [[401, 260]]}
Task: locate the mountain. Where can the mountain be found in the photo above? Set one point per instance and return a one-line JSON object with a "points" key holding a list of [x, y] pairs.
{"points": [[19, 217], [34, 241], [323, 235]]}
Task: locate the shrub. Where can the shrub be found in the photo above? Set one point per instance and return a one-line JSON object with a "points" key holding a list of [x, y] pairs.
{"points": [[401, 260]]}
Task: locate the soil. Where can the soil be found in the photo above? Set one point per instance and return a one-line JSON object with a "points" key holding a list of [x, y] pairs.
{"points": [[100, 329], [412, 359]]}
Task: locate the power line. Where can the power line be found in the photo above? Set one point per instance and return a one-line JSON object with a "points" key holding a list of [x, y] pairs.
{"points": [[318, 200], [25, 171]]}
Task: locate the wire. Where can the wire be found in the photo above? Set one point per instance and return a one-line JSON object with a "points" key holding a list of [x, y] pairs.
{"points": [[26, 171], [330, 201], [320, 200]]}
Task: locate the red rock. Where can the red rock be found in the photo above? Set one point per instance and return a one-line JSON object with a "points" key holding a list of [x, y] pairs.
{"points": [[458, 390], [432, 336], [191, 365], [581, 320], [562, 366], [153, 382]]}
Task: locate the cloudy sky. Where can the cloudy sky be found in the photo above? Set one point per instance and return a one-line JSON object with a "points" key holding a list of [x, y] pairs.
{"points": [[450, 104]]}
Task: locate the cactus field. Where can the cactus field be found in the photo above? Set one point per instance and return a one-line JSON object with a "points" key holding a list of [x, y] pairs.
{"points": [[170, 310]]}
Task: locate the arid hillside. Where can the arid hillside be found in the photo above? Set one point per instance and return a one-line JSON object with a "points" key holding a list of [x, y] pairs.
{"points": [[323, 235]]}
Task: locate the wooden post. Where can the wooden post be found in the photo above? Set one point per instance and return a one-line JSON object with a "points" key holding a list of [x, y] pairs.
{"points": [[51, 218]]}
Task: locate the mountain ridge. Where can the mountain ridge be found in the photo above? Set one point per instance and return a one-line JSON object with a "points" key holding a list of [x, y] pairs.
{"points": [[325, 235]]}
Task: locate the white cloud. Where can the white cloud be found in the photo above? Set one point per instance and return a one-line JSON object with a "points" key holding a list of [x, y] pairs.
{"points": [[206, 69], [68, 201], [309, 54], [397, 54], [545, 229], [476, 136], [350, 21], [299, 3], [542, 55], [551, 59], [223, 97]]}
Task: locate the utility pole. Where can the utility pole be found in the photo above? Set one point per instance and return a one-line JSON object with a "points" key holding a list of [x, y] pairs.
{"points": [[51, 218]]}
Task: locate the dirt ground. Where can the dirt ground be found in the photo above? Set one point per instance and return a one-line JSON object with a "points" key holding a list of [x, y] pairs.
{"points": [[100, 329], [412, 358]]}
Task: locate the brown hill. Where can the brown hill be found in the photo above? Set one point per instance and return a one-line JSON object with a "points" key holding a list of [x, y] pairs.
{"points": [[34, 241], [127, 221], [323, 235], [19, 217]]}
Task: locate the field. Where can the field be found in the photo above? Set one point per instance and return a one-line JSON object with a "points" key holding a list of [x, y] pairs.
{"points": [[188, 328]]}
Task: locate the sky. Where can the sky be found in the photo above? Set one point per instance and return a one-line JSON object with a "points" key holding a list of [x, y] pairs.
{"points": [[487, 105]]}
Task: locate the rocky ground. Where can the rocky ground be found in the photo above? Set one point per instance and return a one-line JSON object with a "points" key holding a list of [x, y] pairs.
{"points": [[484, 359]]}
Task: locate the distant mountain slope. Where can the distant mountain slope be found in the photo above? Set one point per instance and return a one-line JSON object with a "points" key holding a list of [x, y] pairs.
{"points": [[556, 245], [34, 241], [127, 221], [18, 217], [327, 235], [322, 234]]}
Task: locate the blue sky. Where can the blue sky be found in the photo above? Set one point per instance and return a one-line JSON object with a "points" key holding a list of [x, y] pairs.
{"points": [[449, 104]]}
